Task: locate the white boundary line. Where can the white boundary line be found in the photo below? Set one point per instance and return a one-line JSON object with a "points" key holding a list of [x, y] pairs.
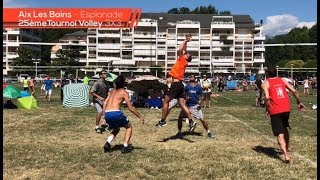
{"points": [[313, 164], [229, 99]]}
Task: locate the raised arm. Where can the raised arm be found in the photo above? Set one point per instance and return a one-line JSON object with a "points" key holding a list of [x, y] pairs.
{"points": [[130, 107], [183, 46]]}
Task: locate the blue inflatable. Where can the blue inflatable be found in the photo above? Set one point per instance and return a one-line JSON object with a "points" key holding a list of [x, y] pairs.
{"points": [[231, 85]]}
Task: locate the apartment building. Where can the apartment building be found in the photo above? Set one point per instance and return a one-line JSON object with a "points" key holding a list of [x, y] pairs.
{"points": [[219, 44], [78, 37], [12, 38]]}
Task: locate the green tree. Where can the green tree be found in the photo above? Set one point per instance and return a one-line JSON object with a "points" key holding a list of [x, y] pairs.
{"points": [[224, 12], [184, 10], [310, 64], [67, 57], [24, 58], [174, 11], [295, 63], [281, 63]]}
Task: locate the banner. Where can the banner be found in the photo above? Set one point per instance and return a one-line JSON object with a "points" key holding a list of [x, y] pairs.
{"points": [[71, 17]]}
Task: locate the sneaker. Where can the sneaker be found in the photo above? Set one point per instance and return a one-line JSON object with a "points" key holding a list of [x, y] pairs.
{"points": [[192, 126], [179, 135], [105, 127], [161, 124], [125, 150], [107, 147], [210, 135], [98, 130]]}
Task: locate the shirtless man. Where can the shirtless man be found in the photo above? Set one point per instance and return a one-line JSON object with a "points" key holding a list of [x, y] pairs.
{"points": [[115, 118]]}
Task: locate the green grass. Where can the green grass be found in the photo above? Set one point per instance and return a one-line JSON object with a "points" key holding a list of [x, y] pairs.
{"points": [[53, 142]]}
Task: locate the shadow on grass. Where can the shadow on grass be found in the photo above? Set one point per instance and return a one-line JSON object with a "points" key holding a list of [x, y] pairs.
{"points": [[118, 147], [269, 151], [186, 133]]}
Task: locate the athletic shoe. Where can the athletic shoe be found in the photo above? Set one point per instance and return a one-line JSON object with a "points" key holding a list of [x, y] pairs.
{"points": [[98, 130], [161, 124], [107, 147], [192, 126], [210, 135], [179, 135], [105, 127], [125, 150]]}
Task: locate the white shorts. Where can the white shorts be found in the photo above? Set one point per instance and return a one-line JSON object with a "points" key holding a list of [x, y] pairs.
{"points": [[49, 92], [195, 112], [43, 87], [173, 103], [98, 107]]}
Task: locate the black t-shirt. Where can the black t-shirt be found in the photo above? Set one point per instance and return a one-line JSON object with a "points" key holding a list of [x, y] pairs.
{"points": [[258, 83]]}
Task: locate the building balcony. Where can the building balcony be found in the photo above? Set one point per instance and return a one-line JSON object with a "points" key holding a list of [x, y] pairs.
{"points": [[124, 62], [188, 24], [258, 59], [11, 43], [108, 58], [109, 35], [109, 46], [108, 50], [259, 38], [10, 55], [222, 25], [82, 60], [83, 52], [259, 48]]}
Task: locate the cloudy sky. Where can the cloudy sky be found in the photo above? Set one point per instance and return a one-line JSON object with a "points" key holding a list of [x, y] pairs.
{"points": [[279, 16]]}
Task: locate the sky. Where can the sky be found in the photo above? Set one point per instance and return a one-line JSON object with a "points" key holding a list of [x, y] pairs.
{"points": [[279, 16]]}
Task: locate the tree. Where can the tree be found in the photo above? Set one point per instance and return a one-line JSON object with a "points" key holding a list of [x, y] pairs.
{"points": [[67, 57], [174, 11], [295, 63], [24, 57], [224, 12], [184, 10], [310, 64]]}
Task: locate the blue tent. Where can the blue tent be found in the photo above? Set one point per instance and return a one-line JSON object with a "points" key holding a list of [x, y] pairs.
{"points": [[24, 94], [231, 85]]}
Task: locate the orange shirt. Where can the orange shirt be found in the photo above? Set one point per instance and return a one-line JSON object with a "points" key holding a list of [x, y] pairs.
{"points": [[179, 68]]}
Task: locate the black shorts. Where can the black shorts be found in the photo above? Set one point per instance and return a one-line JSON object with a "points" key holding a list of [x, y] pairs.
{"points": [[206, 96], [279, 123], [176, 91]]}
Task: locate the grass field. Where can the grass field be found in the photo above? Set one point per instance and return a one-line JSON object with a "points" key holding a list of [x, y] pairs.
{"points": [[53, 142]]}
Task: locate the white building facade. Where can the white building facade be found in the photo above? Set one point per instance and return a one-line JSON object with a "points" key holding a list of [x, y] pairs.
{"points": [[12, 38], [219, 43]]}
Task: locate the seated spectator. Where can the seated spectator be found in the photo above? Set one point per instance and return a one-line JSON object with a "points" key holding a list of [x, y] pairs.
{"points": [[245, 85], [154, 101]]}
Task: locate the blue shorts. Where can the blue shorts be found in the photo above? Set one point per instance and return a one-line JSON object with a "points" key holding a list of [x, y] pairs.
{"points": [[115, 119]]}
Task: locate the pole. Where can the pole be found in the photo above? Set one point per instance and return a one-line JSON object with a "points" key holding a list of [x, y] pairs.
{"points": [[291, 71], [36, 62], [277, 70]]}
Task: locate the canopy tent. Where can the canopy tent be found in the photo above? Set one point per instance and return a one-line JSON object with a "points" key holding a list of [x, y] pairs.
{"points": [[76, 95], [11, 92], [28, 102], [24, 94]]}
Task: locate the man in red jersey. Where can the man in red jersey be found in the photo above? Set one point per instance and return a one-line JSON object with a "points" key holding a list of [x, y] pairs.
{"points": [[278, 107], [176, 90]]}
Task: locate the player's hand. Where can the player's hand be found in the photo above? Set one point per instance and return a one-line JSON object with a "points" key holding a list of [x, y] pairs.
{"points": [[101, 99], [301, 107], [188, 37], [142, 120]]}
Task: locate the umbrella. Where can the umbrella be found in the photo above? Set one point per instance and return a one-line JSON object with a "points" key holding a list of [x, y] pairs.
{"points": [[145, 82], [11, 92], [4, 85], [111, 77], [28, 102], [24, 94]]}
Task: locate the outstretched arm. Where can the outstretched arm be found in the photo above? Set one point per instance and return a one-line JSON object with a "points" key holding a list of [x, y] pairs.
{"points": [[131, 108], [183, 45]]}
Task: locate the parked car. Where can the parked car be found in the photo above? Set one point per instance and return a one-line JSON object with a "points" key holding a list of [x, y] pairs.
{"points": [[10, 79], [40, 78], [21, 77]]}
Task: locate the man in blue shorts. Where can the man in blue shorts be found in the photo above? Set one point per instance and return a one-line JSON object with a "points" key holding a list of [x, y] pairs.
{"points": [[193, 101], [115, 118], [48, 87]]}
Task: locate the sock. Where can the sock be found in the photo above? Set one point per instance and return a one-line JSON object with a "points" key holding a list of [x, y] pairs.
{"points": [[110, 138], [125, 144], [208, 131], [97, 127]]}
